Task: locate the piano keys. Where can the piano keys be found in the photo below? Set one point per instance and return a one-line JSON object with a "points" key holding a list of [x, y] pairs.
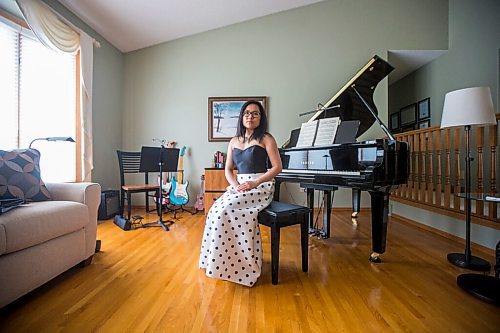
{"points": [[377, 166]]}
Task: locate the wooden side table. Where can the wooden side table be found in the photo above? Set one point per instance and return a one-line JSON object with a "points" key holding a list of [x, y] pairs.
{"points": [[215, 186]]}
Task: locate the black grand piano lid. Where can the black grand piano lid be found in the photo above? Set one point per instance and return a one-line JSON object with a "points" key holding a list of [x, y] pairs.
{"points": [[351, 107]]}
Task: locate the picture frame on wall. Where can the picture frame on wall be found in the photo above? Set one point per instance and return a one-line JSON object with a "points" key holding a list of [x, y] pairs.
{"points": [[424, 109], [408, 115], [394, 121], [223, 114], [407, 128], [424, 124]]}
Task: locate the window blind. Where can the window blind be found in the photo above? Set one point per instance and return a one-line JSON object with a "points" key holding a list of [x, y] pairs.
{"points": [[9, 87], [38, 101]]}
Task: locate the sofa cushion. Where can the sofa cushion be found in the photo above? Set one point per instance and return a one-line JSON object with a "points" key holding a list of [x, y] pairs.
{"points": [[39, 222], [20, 175]]}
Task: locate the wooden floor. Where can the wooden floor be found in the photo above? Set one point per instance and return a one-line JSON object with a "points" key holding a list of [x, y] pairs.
{"points": [[149, 280]]}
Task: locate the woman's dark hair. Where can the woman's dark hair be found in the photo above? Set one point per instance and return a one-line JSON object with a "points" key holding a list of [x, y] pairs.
{"points": [[260, 131]]}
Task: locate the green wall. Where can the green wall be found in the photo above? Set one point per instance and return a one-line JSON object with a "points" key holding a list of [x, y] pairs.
{"points": [[472, 60], [297, 58]]}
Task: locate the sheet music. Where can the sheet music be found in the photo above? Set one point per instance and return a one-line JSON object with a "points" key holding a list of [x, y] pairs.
{"points": [[327, 129], [307, 134]]}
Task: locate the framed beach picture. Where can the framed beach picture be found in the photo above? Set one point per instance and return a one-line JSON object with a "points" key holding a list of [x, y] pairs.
{"points": [[223, 113]]}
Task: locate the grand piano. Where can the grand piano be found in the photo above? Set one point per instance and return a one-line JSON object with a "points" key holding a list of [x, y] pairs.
{"points": [[377, 166]]}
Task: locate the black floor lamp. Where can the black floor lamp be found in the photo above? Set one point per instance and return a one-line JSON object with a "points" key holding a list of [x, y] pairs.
{"points": [[465, 108]]}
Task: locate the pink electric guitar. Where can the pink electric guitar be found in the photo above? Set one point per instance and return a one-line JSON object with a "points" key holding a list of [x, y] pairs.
{"points": [[199, 198]]}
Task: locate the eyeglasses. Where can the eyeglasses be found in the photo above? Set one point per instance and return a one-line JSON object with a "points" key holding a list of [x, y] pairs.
{"points": [[253, 114]]}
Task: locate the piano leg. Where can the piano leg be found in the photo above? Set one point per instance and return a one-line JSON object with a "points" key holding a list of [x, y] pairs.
{"points": [[327, 210], [380, 213], [356, 199], [310, 204]]}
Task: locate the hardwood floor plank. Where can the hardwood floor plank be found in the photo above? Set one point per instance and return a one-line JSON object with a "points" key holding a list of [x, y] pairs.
{"points": [[148, 280]]}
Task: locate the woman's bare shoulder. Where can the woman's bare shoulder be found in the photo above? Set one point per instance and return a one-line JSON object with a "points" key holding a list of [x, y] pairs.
{"points": [[269, 142], [269, 138]]}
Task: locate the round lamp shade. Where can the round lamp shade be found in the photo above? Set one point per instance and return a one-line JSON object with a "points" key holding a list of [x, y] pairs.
{"points": [[469, 106]]}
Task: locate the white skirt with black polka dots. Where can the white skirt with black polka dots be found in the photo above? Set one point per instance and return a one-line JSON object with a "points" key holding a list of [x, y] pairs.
{"points": [[231, 248]]}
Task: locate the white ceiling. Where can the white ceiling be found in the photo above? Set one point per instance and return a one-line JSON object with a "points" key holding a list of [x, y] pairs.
{"points": [[134, 24], [407, 61]]}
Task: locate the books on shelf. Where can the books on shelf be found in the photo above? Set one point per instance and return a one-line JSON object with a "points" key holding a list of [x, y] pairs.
{"points": [[318, 132]]}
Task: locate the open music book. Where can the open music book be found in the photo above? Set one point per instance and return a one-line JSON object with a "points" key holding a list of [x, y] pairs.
{"points": [[318, 132]]}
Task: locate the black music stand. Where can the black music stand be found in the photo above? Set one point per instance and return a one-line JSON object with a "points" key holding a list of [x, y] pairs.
{"points": [[163, 160]]}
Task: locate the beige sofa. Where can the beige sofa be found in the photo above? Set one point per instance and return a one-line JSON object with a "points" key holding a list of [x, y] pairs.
{"points": [[43, 239]]}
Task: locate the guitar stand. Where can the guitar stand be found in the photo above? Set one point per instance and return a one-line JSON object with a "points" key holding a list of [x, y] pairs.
{"points": [[185, 210], [196, 211], [174, 209]]}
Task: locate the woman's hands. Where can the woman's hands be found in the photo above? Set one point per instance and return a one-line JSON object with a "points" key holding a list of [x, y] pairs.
{"points": [[247, 186]]}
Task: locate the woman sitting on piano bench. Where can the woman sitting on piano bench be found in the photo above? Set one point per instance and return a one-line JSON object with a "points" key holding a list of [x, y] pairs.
{"points": [[231, 248]]}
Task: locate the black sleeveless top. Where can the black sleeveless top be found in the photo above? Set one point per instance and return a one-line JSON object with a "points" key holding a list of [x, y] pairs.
{"points": [[250, 160]]}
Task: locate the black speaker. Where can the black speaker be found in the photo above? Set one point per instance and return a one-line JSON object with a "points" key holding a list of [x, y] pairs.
{"points": [[110, 204]]}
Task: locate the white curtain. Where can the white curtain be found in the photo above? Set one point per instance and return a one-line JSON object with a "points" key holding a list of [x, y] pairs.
{"points": [[87, 60], [56, 33], [48, 27]]}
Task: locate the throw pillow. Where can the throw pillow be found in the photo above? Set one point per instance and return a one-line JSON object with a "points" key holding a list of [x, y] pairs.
{"points": [[20, 175]]}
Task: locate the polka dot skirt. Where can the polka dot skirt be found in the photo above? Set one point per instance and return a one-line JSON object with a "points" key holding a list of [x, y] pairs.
{"points": [[231, 248]]}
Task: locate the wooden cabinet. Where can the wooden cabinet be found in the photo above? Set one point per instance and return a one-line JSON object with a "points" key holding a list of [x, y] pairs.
{"points": [[215, 185]]}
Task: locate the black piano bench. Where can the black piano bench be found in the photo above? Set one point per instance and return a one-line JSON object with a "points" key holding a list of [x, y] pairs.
{"points": [[281, 214]]}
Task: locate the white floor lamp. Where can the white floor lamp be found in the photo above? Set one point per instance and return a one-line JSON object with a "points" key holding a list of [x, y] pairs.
{"points": [[468, 107]]}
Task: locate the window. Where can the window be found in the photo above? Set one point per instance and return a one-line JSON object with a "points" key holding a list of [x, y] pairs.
{"points": [[38, 100]]}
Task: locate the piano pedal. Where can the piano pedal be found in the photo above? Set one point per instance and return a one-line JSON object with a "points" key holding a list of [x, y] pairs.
{"points": [[374, 257]]}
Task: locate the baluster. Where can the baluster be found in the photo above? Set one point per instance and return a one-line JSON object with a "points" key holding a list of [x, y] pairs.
{"points": [[406, 186], [409, 186], [416, 166], [430, 179], [399, 190], [447, 171], [439, 200], [423, 168], [457, 186], [493, 141], [480, 185]]}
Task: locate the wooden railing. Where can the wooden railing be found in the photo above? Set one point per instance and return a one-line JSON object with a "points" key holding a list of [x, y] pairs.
{"points": [[437, 171]]}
